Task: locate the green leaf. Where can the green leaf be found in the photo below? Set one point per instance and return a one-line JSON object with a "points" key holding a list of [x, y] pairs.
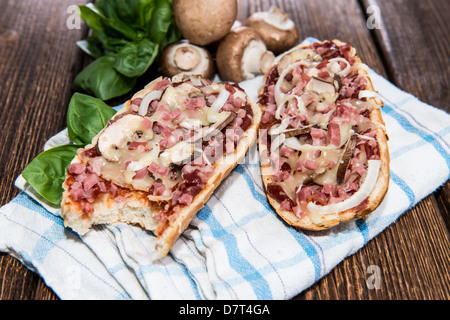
{"points": [[130, 11], [172, 35], [46, 173], [92, 46], [92, 17], [111, 32], [101, 80], [135, 58], [161, 20], [124, 29], [111, 40], [126, 39], [86, 117]]}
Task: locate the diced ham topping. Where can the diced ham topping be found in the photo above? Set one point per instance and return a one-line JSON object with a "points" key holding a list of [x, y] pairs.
{"points": [[76, 168], [87, 184], [90, 180], [161, 84], [159, 188], [341, 115], [147, 123], [334, 134], [136, 144], [140, 174], [194, 103]]}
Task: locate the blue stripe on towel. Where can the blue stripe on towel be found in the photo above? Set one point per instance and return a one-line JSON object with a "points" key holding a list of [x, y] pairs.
{"points": [[28, 202], [425, 136], [404, 186], [236, 260], [47, 242], [298, 236]]}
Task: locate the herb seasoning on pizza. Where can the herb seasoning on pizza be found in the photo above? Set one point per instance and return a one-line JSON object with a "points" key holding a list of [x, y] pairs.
{"points": [[322, 142]]}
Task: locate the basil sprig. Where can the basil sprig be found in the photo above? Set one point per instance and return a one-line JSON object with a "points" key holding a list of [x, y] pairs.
{"points": [[126, 38], [46, 173], [86, 117]]}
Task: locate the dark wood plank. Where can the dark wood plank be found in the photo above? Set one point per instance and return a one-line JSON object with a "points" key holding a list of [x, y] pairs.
{"points": [[414, 42], [38, 61]]}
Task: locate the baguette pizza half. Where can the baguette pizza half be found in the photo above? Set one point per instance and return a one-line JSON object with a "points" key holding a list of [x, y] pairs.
{"points": [[160, 157], [322, 142]]}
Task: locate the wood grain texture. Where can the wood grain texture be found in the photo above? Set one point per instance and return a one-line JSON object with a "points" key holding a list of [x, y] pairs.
{"points": [[414, 43], [39, 59], [38, 62]]}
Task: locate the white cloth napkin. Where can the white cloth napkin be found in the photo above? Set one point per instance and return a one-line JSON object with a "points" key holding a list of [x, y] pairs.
{"points": [[236, 247]]}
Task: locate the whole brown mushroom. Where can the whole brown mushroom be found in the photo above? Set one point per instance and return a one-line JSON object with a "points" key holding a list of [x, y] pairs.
{"points": [[278, 31], [242, 55], [182, 56], [203, 22]]}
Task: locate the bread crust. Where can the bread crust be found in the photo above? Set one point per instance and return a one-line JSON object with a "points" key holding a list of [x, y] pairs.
{"points": [[137, 208], [378, 193]]}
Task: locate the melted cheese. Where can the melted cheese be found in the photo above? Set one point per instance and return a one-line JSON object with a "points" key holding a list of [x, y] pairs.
{"points": [[124, 164], [316, 94]]}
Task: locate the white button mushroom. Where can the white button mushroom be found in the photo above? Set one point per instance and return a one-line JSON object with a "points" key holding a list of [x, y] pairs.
{"points": [[187, 58]]}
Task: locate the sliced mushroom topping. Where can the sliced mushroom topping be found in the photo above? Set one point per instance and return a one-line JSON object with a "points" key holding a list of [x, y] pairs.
{"points": [[118, 133], [308, 55], [345, 160], [188, 150], [337, 82], [181, 153], [225, 118], [297, 132], [290, 132], [326, 90]]}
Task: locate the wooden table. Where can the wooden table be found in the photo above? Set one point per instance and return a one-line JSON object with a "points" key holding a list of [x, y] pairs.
{"points": [[39, 60]]}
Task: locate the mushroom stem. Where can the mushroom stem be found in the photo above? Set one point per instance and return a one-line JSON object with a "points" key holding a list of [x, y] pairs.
{"points": [[277, 30], [184, 57], [278, 19], [187, 58], [256, 59]]}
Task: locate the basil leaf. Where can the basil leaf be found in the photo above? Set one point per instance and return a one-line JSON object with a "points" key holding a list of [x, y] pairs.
{"points": [[173, 35], [86, 117], [126, 11], [135, 58], [126, 38], [92, 17], [161, 20], [108, 8], [109, 31], [145, 10], [47, 172], [101, 80], [121, 28], [92, 46]]}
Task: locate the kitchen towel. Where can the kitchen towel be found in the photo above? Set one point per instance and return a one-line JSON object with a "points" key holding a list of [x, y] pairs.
{"points": [[236, 246]]}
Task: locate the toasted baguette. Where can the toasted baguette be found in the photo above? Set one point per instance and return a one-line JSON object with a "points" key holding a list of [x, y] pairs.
{"points": [[137, 208], [378, 193]]}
